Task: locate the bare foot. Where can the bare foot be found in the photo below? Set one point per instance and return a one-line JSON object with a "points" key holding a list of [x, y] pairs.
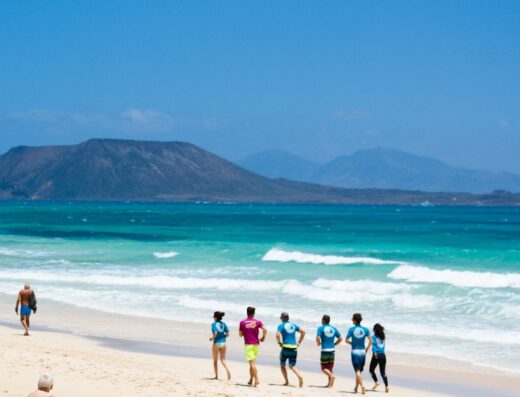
{"points": [[26, 333], [331, 382], [286, 384], [376, 385], [387, 389], [228, 375], [250, 383], [362, 390], [355, 389], [300, 381], [256, 384]]}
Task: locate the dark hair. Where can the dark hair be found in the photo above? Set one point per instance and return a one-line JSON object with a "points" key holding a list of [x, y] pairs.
{"points": [[379, 331], [251, 311], [357, 318], [218, 315], [326, 318]]}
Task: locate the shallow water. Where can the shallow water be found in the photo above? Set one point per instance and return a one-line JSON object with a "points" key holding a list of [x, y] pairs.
{"points": [[443, 281]]}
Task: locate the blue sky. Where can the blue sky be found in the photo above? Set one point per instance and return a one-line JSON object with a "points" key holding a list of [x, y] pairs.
{"points": [[318, 79]]}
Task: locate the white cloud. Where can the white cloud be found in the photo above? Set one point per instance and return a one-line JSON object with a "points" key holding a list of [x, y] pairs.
{"points": [[349, 115]]}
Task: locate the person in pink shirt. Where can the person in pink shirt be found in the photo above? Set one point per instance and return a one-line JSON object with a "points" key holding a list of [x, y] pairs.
{"points": [[250, 331]]}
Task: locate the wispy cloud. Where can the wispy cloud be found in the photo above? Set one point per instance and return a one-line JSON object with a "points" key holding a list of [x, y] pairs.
{"points": [[132, 119], [147, 119], [349, 115]]}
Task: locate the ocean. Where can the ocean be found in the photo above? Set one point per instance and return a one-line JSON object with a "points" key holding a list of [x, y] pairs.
{"points": [[444, 281]]}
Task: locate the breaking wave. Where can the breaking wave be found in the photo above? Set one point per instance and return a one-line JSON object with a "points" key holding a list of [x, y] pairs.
{"points": [[278, 255], [465, 279]]}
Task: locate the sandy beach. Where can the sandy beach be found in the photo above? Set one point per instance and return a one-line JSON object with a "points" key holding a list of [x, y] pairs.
{"points": [[82, 367], [128, 356]]}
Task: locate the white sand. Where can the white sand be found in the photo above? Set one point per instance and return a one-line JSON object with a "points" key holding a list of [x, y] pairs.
{"points": [[82, 367]]}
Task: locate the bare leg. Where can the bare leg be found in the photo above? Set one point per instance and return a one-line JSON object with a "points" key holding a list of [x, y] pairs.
{"points": [[330, 375], [251, 375], [223, 361], [23, 320], [255, 373], [214, 351], [284, 373], [298, 375], [359, 381]]}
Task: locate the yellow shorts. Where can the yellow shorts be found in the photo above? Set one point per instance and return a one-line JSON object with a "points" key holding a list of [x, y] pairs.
{"points": [[251, 352]]}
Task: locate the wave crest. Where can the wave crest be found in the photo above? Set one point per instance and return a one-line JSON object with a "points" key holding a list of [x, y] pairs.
{"points": [[165, 255], [279, 255], [465, 279]]}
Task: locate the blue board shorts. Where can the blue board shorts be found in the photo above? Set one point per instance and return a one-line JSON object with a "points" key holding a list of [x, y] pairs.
{"points": [[358, 359], [288, 354], [25, 311]]}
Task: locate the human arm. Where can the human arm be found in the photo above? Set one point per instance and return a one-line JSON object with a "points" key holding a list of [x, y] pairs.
{"points": [[279, 338], [339, 339], [213, 332], [264, 333], [348, 336], [318, 340], [369, 344], [302, 336], [18, 299]]}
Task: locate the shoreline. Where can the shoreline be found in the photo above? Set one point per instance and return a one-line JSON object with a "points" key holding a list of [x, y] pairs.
{"points": [[83, 368], [170, 339]]}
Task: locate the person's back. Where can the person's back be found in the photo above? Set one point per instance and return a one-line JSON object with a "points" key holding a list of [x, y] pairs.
{"points": [[25, 296], [328, 336], [220, 330], [378, 345], [250, 328], [358, 334]]}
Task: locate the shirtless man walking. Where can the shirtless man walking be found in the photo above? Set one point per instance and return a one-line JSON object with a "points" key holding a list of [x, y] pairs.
{"points": [[25, 296]]}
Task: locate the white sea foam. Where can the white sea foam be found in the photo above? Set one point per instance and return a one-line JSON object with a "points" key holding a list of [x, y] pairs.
{"points": [[493, 335], [23, 253], [279, 255], [345, 291], [467, 279], [410, 301], [165, 255]]}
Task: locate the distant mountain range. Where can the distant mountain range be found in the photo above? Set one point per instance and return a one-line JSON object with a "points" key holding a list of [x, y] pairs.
{"points": [[382, 169], [118, 170]]}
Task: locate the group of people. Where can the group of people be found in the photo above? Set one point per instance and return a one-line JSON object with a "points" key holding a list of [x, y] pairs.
{"points": [[327, 337]]}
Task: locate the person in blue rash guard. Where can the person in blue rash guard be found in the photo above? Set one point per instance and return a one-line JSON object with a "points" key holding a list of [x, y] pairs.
{"points": [[328, 337], [219, 334], [378, 356], [356, 336], [286, 338]]}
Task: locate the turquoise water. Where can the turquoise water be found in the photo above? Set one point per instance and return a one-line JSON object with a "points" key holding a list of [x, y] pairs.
{"points": [[444, 281]]}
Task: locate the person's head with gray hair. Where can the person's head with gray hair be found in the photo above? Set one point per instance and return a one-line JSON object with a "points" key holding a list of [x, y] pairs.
{"points": [[27, 286], [45, 383]]}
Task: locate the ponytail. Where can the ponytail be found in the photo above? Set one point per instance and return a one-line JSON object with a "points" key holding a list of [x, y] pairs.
{"points": [[379, 331]]}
